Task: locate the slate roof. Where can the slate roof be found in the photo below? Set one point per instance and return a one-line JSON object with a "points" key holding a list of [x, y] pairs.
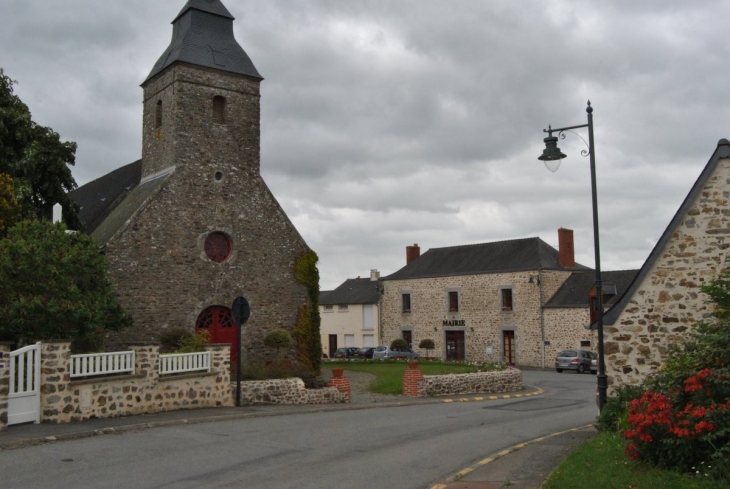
{"points": [[574, 291], [352, 291], [202, 34], [722, 151], [497, 257], [98, 198], [120, 216]]}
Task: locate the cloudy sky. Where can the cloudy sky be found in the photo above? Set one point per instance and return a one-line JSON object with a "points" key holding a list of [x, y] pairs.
{"points": [[388, 123]]}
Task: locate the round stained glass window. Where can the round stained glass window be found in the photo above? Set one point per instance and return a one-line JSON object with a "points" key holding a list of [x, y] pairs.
{"points": [[217, 247]]}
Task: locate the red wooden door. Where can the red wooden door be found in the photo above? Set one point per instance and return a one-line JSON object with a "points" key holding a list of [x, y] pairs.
{"points": [[218, 322], [455, 345]]}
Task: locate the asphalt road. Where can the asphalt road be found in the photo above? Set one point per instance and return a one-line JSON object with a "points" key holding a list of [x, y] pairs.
{"points": [[403, 447]]}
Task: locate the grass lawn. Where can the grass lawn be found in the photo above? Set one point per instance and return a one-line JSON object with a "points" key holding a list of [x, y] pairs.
{"points": [[600, 463], [389, 374]]}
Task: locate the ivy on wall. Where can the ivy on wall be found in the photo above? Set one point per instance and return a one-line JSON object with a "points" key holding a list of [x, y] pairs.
{"points": [[306, 330]]}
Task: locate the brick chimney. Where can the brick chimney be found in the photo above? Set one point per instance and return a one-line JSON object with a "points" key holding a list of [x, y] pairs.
{"points": [[566, 249], [412, 252]]}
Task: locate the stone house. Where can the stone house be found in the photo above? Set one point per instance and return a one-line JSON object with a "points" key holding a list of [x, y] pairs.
{"points": [[663, 303], [519, 301], [192, 225], [350, 314]]}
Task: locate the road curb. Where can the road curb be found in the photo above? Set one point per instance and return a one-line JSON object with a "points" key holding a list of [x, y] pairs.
{"points": [[497, 455]]}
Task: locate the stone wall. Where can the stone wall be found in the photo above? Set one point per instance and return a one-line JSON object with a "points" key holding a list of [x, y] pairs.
{"points": [[64, 400], [565, 330], [667, 303], [4, 383], [481, 313], [289, 392], [480, 382]]}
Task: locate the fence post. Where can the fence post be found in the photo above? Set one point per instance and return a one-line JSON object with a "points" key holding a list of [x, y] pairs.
{"points": [[55, 380], [4, 382]]}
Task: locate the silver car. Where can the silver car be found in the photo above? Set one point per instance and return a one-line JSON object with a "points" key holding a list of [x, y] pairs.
{"points": [[387, 353], [578, 360]]}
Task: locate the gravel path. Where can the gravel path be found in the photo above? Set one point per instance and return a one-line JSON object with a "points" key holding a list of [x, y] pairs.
{"points": [[359, 382]]}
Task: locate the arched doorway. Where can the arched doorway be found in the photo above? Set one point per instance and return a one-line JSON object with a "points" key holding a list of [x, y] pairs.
{"points": [[218, 322]]}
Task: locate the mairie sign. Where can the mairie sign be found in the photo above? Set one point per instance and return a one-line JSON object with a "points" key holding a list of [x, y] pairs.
{"points": [[455, 322]]}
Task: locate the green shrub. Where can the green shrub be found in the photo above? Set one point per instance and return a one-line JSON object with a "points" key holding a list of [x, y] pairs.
{"points": [[614, 413], [427, 345], [171, 339], [398, 344], [278, 339]]}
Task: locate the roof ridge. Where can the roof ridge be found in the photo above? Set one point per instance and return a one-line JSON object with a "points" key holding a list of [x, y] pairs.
{"points": [[487, 243]]}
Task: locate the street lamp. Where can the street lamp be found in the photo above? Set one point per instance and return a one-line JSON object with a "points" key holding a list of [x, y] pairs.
{"points": [[551, 156]]}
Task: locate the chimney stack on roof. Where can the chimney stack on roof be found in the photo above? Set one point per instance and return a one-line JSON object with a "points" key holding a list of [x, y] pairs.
{"points": [[412, 252], [374, 275], [566, 250]]}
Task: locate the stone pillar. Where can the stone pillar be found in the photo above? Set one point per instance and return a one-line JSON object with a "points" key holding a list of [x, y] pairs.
{"points": [[56, 395], [411, 378], [147, 363], [220, 364], [340, 382], [4, 382]]}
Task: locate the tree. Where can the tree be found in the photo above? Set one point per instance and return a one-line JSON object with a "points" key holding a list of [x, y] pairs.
{"points": [[427, 345], [278, 339], [36, 159], [399, 344], [9, 207], [54, 285]]}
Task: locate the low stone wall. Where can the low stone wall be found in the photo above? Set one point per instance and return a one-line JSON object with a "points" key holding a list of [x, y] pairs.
{"points": [[4, 383], [64, 400], [288, 391], [480, 382]]}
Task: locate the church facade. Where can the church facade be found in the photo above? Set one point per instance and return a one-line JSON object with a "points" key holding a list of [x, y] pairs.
{"points": [[193, 225]]}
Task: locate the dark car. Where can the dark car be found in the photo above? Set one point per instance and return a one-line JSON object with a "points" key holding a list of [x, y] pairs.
{"points": [[578, 360], [365, 353], [348, 352]]}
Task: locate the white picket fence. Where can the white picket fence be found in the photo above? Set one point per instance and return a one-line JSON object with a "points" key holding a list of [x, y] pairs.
{"points": [[177, 363], [92, 364]]}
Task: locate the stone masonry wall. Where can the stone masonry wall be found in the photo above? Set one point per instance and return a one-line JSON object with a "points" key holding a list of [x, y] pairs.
{"points": [[158, 264], [668, 303], [64, 400], [479, 308], [289, 392], [564, 329], [509, 380], [4, 383]]}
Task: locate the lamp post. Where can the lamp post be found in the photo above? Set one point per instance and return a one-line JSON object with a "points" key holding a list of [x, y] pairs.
{"points": [[551, 156]]}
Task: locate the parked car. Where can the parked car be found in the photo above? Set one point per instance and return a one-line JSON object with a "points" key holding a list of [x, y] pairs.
{"points": [[578, 360], [594, 364], [348, 352], [365, 353], [387, 353]]}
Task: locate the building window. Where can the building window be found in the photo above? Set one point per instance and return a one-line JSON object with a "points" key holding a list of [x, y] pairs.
{"points": [[507, 304], [350, 340], [217, 247], [406, 302], [219, 109], [453, 301], [585, 344], [329, 308], [342, 308]]}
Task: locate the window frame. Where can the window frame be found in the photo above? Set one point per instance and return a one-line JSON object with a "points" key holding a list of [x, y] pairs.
{"points": [[403, 308], [453, 296], [504, 294]]}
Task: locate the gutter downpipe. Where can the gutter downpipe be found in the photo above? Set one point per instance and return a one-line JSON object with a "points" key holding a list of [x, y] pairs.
{"points": [[542, 316]]}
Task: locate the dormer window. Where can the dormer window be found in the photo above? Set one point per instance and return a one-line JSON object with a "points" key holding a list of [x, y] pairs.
{"points": [[219, 109]]}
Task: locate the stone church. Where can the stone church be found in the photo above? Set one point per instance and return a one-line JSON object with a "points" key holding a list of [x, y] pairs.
{"points": [[192, 225]]}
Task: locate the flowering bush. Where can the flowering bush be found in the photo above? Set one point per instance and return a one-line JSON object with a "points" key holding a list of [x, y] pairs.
{"points": [[685, 431]]}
